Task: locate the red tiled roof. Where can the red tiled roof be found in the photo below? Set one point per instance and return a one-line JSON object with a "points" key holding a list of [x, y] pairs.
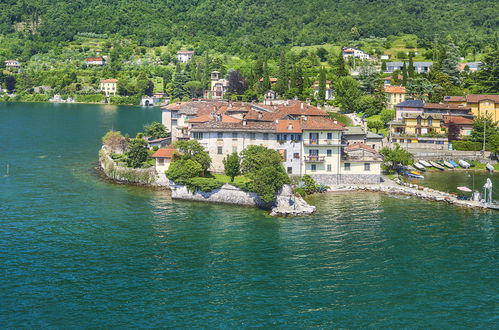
{"points": [[185, 52], [288, 126], [445, 106], [201, 119], [475, 98], [255, 115], [90, 59], [458, 120], [164, 153], [235, 127], [395, 89], [455, 98], [357, 146], [313, 123], [109, 80], [272, 80]]}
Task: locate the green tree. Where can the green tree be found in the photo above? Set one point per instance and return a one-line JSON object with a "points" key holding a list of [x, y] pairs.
{"points": [[181, 170], [383, 66], [347, 94], [340, 67], [10, 83], [191, 149], [322, 54], [487, 124], [136, 153], [232, 165], [395, 157], [156, 130], [387, 115], [375, 124], [410, 70], [114, 141], [179, 91], [236, 83], [264, 168], [419, 88], [450, 64], [487, 78], [322, 85], [405, 74], [281, 85]]}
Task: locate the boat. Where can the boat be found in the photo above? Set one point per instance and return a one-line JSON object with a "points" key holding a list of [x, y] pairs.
{"points": [[419, 166], [489, 167], [412, 175], [449, 165], [436, 165], [464, 164], [424, 163], [454, 163]]}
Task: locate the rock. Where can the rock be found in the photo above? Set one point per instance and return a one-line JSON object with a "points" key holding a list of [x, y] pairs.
{"points": [[288, 204]]}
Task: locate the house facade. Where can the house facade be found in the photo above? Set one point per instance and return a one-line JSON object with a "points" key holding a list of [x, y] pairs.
{"points": [[109, 86], [329, 89], [218, 87], [185, 56], [13, 64], [354, 52], [480, 105], [95, 61], [394, 95], [419, 67]]}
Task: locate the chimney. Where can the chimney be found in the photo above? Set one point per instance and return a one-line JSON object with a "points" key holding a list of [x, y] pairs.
{"points": [[287, 103], [290, 127], [245, 122], [277, 121], [335, 122], [260, 115], [275, 107], [301, 105]]}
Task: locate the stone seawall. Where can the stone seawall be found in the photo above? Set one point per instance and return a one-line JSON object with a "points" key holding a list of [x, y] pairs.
{"points": [[141, 176], [335, 179], [452, 155], [286, 204]]}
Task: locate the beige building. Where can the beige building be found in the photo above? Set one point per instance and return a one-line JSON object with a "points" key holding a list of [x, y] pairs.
{"points": [[109, 86], [163, 158], [395, 95]]}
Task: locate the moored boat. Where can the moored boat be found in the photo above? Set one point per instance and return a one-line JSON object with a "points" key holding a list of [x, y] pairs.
{"points": [[413, 175], [489, 167], [436, 165], [449, 165], [419, 166], [464, 164], [454, 163], [425, 163]]}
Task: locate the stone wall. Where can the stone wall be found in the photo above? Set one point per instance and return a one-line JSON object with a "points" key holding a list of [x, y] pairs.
{"points": [[335, 179], [452, 154], [227, 194], [143, 176]]}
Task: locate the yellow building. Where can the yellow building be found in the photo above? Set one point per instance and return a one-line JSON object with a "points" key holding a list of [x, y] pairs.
{"points": [[418, 124], [481, 105], [109, 86], [395, 95]]}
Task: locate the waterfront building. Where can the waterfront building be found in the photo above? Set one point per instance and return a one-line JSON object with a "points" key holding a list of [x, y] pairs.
{"points": [[480, 105], [184, 56], [163, 158], [109, 86]]}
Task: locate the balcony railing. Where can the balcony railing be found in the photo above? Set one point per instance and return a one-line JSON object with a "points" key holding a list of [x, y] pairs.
{"points": [[314, 159], [324, 142]]}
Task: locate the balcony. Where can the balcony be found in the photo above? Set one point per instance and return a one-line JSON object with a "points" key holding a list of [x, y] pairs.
{"points": [[324, 142], [314, 159]]}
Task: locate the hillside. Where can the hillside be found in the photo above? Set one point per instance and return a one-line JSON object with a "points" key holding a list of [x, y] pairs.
{"points": [[250, 26]]}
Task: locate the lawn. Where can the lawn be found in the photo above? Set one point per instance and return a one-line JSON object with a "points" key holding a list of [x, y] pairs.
{"points": [[238, 180]]}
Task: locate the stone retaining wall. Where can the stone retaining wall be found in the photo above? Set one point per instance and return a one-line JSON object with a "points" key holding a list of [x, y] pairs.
{"points": [[335, 179], [452, 154], [142, 176]]}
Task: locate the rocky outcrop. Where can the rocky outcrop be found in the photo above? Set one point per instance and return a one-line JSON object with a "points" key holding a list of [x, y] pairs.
{"points": [[287, 204]]}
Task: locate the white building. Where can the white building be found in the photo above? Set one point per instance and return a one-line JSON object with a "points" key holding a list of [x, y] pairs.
{"points": [[354, 52], [12, 64], [185, 56], [218, 87], [95, 61]]}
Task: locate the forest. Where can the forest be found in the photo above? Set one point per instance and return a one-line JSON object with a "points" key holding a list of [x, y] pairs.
{"points": [[249, 27]]}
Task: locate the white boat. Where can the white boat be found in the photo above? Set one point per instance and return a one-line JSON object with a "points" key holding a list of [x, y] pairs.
{"points": [[436, 165], [449, 165], [464, 164], [419, 166], [489, 167], [425, 163]]}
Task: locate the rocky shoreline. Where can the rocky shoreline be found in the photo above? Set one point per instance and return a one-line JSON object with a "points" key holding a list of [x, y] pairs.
{"points": [[401, 188]]}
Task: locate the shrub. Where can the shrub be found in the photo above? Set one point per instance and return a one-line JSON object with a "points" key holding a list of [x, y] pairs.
{"points": [[114, 141], [232, 165], [203, 184], [467, 145], [136, 153], [180, 171]]}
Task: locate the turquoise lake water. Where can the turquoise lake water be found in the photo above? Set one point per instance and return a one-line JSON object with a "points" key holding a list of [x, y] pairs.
{"points": [[78, 252]]}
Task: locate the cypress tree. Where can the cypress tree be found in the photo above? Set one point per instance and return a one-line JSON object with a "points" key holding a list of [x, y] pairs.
{"points": [[383, 66], [410, 70], [341, 67], [281, 86], [299, 79], [265, 84], [404, 74], [322, 85]]}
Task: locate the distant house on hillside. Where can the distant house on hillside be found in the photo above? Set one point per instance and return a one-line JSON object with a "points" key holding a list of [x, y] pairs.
{"points": [[354, 52], [12, 64], [218, 87], [109, 86], [329, 89], [419, 67], [96, 61], [385, 57], [184, 56], [472, 66]]}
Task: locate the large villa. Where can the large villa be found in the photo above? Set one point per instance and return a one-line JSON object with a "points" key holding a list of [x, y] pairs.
{"points": [[308, 141]]}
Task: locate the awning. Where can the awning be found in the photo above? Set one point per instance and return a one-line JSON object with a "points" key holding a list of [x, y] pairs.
{"points": [[466, 189]]}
